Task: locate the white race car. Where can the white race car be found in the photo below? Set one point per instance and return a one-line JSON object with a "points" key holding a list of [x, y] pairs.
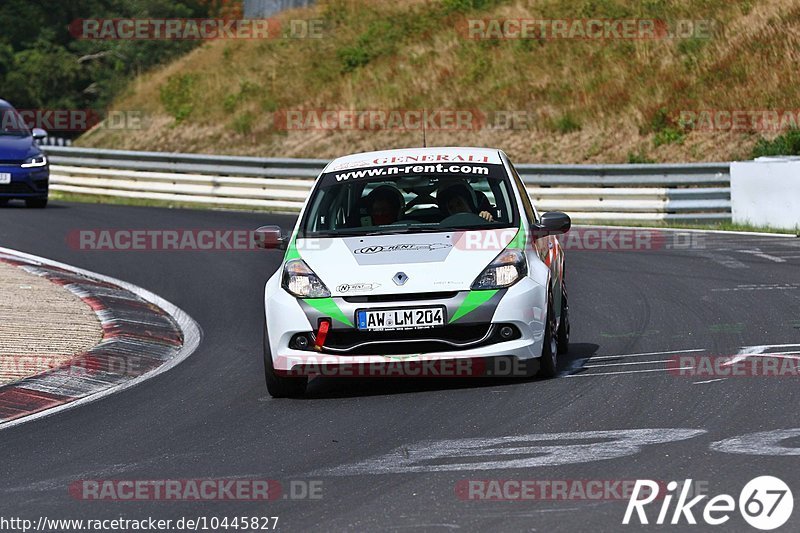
{"points": [[425, 256]]}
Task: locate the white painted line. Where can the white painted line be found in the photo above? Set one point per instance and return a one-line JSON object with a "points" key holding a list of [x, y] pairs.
{"points": [[781, 253], [749, 351], [758, 253], [724, 260], [192, 334], [592, 374], [511, 452], [679, 230], [775, 355], [770, 443], [645, 354], [765, 287], [709, 381], [626, 364]]}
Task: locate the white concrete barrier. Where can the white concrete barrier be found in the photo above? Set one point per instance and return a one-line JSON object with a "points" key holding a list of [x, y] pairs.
{"points": [[766, 192]]}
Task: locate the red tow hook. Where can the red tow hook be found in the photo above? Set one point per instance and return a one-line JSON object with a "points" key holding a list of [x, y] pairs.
{"points": [[324, 326]]}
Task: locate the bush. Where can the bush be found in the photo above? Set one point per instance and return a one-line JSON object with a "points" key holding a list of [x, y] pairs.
{"points": [[176, 96], [668, 136], [638, 158], [243, 123], [786, 144], [567, 123], [379, 40], [463, 6], [664, 127]]}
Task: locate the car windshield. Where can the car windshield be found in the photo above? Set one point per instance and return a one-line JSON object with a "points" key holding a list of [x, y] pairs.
{"points": [[410, 199], [11, 123]]}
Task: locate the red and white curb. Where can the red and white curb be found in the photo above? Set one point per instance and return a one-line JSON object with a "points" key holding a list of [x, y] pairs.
{"points": [[143, 336]]}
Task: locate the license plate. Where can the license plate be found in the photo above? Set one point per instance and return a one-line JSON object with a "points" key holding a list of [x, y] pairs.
{"points": [[5, 178], [394, 319]]}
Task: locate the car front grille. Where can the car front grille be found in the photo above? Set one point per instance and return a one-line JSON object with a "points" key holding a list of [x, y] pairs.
{"points": [[382, 298], [16, 188], [442, 339]]}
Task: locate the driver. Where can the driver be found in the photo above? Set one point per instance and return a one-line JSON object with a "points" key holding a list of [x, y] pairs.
{"points": [[459, 198], [384, 205]]}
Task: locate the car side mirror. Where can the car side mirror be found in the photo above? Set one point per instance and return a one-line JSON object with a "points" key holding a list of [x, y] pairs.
{"points": [[38, 133], [270, 238], [555, 223]]}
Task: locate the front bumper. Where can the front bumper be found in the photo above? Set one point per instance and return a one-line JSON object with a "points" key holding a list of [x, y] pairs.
{"points": [[474, 335], [25, 182]]}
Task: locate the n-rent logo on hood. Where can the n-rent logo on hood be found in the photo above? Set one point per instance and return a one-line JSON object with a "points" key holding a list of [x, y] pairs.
{"points": [[402, 248]]}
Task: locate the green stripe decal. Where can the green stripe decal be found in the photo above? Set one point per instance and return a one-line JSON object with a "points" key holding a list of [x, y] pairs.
{"points": [[291, 250], [472, 301], [328, 307], [518, 242]]}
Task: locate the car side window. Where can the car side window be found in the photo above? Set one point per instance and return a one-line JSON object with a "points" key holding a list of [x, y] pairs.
{"points": [[530, 212]]}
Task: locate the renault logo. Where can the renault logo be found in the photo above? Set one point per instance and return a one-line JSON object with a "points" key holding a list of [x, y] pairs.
{"points": [[400, 278]]}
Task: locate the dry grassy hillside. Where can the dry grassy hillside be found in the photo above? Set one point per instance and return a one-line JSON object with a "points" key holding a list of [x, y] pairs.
{"points": [[609, 100]]}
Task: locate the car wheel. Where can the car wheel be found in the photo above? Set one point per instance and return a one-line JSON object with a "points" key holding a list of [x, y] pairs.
{"points": [[3, 202], [281, 386], [548, 367], [563, 326], [36, 203]]}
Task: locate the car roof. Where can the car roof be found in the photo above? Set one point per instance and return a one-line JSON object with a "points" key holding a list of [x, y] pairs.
{"points": [[417, 155]]}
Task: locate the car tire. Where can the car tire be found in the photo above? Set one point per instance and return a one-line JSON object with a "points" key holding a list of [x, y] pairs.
{"points": [[563, 325], [3, 202], [281, 386], [36, 203], [548, 366]]}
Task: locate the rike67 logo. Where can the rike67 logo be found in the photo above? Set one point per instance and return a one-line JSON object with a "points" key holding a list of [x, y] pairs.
{"points": [[765, 503]]}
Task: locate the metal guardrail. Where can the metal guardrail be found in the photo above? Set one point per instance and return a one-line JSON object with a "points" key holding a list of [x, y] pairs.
{"points": [[673, 192]]}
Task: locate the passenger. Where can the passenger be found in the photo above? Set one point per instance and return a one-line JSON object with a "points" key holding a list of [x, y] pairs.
{"points": [[385, 205], [459, 198]]}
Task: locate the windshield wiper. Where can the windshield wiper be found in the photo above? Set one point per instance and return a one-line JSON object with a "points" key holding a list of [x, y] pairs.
{"points": [[399, 230], [409, 229], [481, 227]]}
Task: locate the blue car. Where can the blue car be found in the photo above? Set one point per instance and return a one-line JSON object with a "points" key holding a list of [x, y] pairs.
{"points": [[24, 171]]}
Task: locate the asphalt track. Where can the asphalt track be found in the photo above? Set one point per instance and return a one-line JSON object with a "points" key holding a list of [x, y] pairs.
{"points": [[373, 443]]}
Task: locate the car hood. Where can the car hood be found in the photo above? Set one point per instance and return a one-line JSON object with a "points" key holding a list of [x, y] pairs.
{"points": [[16, 148], [429, 262]]}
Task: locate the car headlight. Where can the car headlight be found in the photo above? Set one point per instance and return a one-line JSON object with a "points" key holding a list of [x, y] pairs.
{"points": [[300, 281], [35, 161], [507, 268]]}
